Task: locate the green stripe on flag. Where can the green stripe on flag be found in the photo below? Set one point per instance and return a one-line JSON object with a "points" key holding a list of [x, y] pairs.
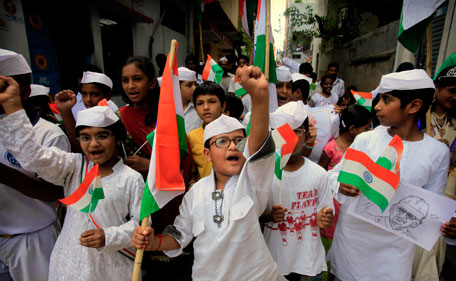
{"points": [[384, 162], [260, 54], [370, 193], [182, 136], [361, 100], [277, 170], [148, 203], [218, 73], [412, 37]]}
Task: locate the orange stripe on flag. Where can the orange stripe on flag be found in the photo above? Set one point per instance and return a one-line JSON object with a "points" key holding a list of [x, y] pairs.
{"points": [[103, 102], [397, 144], [289, 136], [82, 189], [364, 95], [377, 170], [167, 155]]}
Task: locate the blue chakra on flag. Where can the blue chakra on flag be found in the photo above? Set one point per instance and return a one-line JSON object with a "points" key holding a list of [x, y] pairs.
{"points": [[10, 158], [368, 177], [90, 189]]}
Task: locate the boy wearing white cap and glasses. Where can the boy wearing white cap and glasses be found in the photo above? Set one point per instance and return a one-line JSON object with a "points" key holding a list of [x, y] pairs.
{"points": [[222, 210], [80, 250], [360, 250]]}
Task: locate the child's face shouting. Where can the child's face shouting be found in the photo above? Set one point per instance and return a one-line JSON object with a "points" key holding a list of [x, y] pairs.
{"points": [[208, 108], [284, 92], [98, 144], [226, 158]]}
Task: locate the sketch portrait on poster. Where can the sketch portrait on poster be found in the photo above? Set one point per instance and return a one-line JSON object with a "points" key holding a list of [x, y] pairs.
{"points": [[414, 214]]}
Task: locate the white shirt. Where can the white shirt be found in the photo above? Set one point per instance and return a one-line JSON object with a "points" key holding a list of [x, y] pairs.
{"points": [[364, 252], [20, 213], [295, 243], [225, 82], [320, 100], [247, 103], [117, 213], [192, 120], [338, 87], [79, 105], [236, 250]]}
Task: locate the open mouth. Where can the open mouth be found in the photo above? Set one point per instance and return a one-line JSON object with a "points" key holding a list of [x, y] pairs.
{"points": [[133, 95], [233, 158], [96, 153]]}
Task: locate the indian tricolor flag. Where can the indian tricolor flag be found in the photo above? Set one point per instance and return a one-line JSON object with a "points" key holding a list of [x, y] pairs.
{"points": [[103, 102], [285, 140], [169, 145], [240, 91], [416, 16], [212, 71], [364, 99], [376, 180], [260, 53], [86, 197]]}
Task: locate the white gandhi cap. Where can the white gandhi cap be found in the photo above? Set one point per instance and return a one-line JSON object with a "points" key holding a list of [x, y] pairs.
{"points": [[294, 113], [95, 77], [186, 74], [222, 125], [38, 90], [12, 63], [405, 80], [298, 76], [97, 116], [283, 74]]}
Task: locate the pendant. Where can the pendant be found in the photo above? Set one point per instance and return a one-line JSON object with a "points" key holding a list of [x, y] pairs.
{"points": [[216, 195], [218, 219]]}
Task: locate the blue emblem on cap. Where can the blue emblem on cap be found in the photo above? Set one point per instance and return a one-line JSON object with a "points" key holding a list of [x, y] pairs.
{"points": [[10, 158], [368, 177]]}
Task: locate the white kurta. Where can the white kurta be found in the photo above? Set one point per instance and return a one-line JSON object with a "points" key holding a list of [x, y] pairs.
{"points": [[117, 213], [364, 252], [237, 250], [295, 243], [320, 100]]}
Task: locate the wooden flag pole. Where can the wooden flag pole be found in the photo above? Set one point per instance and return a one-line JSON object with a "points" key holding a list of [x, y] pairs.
{"points": [[145, 221], [429, 50], [201, 43], [268, 38]]}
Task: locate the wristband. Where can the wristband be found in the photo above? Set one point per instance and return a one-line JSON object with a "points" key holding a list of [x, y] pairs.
{"points": [[159, 243], [309, 147]]}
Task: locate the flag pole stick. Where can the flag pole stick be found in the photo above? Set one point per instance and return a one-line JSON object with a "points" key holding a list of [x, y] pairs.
{"points": [[136, 152], [201, 42], [145, 221], [268, 38], [429, 50], [280, 193]]}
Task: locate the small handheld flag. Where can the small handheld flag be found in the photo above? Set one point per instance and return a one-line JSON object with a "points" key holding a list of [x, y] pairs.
{"points": [[240, 91], [364, 99], [212, 71], [86, 197], [285, 140], [378, 181]]}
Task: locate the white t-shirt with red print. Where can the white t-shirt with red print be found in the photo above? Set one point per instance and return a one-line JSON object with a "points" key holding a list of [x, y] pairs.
{"points": [[295, 243]]}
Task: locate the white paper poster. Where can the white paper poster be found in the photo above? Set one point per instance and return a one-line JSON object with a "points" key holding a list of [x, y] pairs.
{"points": [[327, 124], [414, 214]]}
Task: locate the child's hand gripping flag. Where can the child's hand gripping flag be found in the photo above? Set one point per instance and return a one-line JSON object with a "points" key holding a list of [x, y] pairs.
{"points": [[379, 180], [285, 140], [169, 145], [364, 99], [212, 71], [86, 197]]}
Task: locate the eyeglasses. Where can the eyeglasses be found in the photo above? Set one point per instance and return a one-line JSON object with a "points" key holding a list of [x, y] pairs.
{"points": [[224, 142], [99, 138], [299, 132]]}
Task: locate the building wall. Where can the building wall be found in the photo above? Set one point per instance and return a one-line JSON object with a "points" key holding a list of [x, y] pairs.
{"points": [[364, 60], [12, 30], [231, 8]]}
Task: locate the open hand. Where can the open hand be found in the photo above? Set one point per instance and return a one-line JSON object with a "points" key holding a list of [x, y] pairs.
{"points": [[65, 100], [325, 217], [349, 190], [94, 238]]}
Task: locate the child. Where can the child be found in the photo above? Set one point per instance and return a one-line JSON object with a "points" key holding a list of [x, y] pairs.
{"points": [[295, 243], [284, 83], [339, 85], [325, 97], [300, 88], [94, 87], [233, 107], [229, 243], [187, 81], [360, 250], [91, 254], [27, 237], [210, 102], [353, 121], [345, 100]]}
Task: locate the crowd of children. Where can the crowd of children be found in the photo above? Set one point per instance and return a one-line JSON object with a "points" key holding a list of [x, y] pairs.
{"points": [[237, 220]]}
